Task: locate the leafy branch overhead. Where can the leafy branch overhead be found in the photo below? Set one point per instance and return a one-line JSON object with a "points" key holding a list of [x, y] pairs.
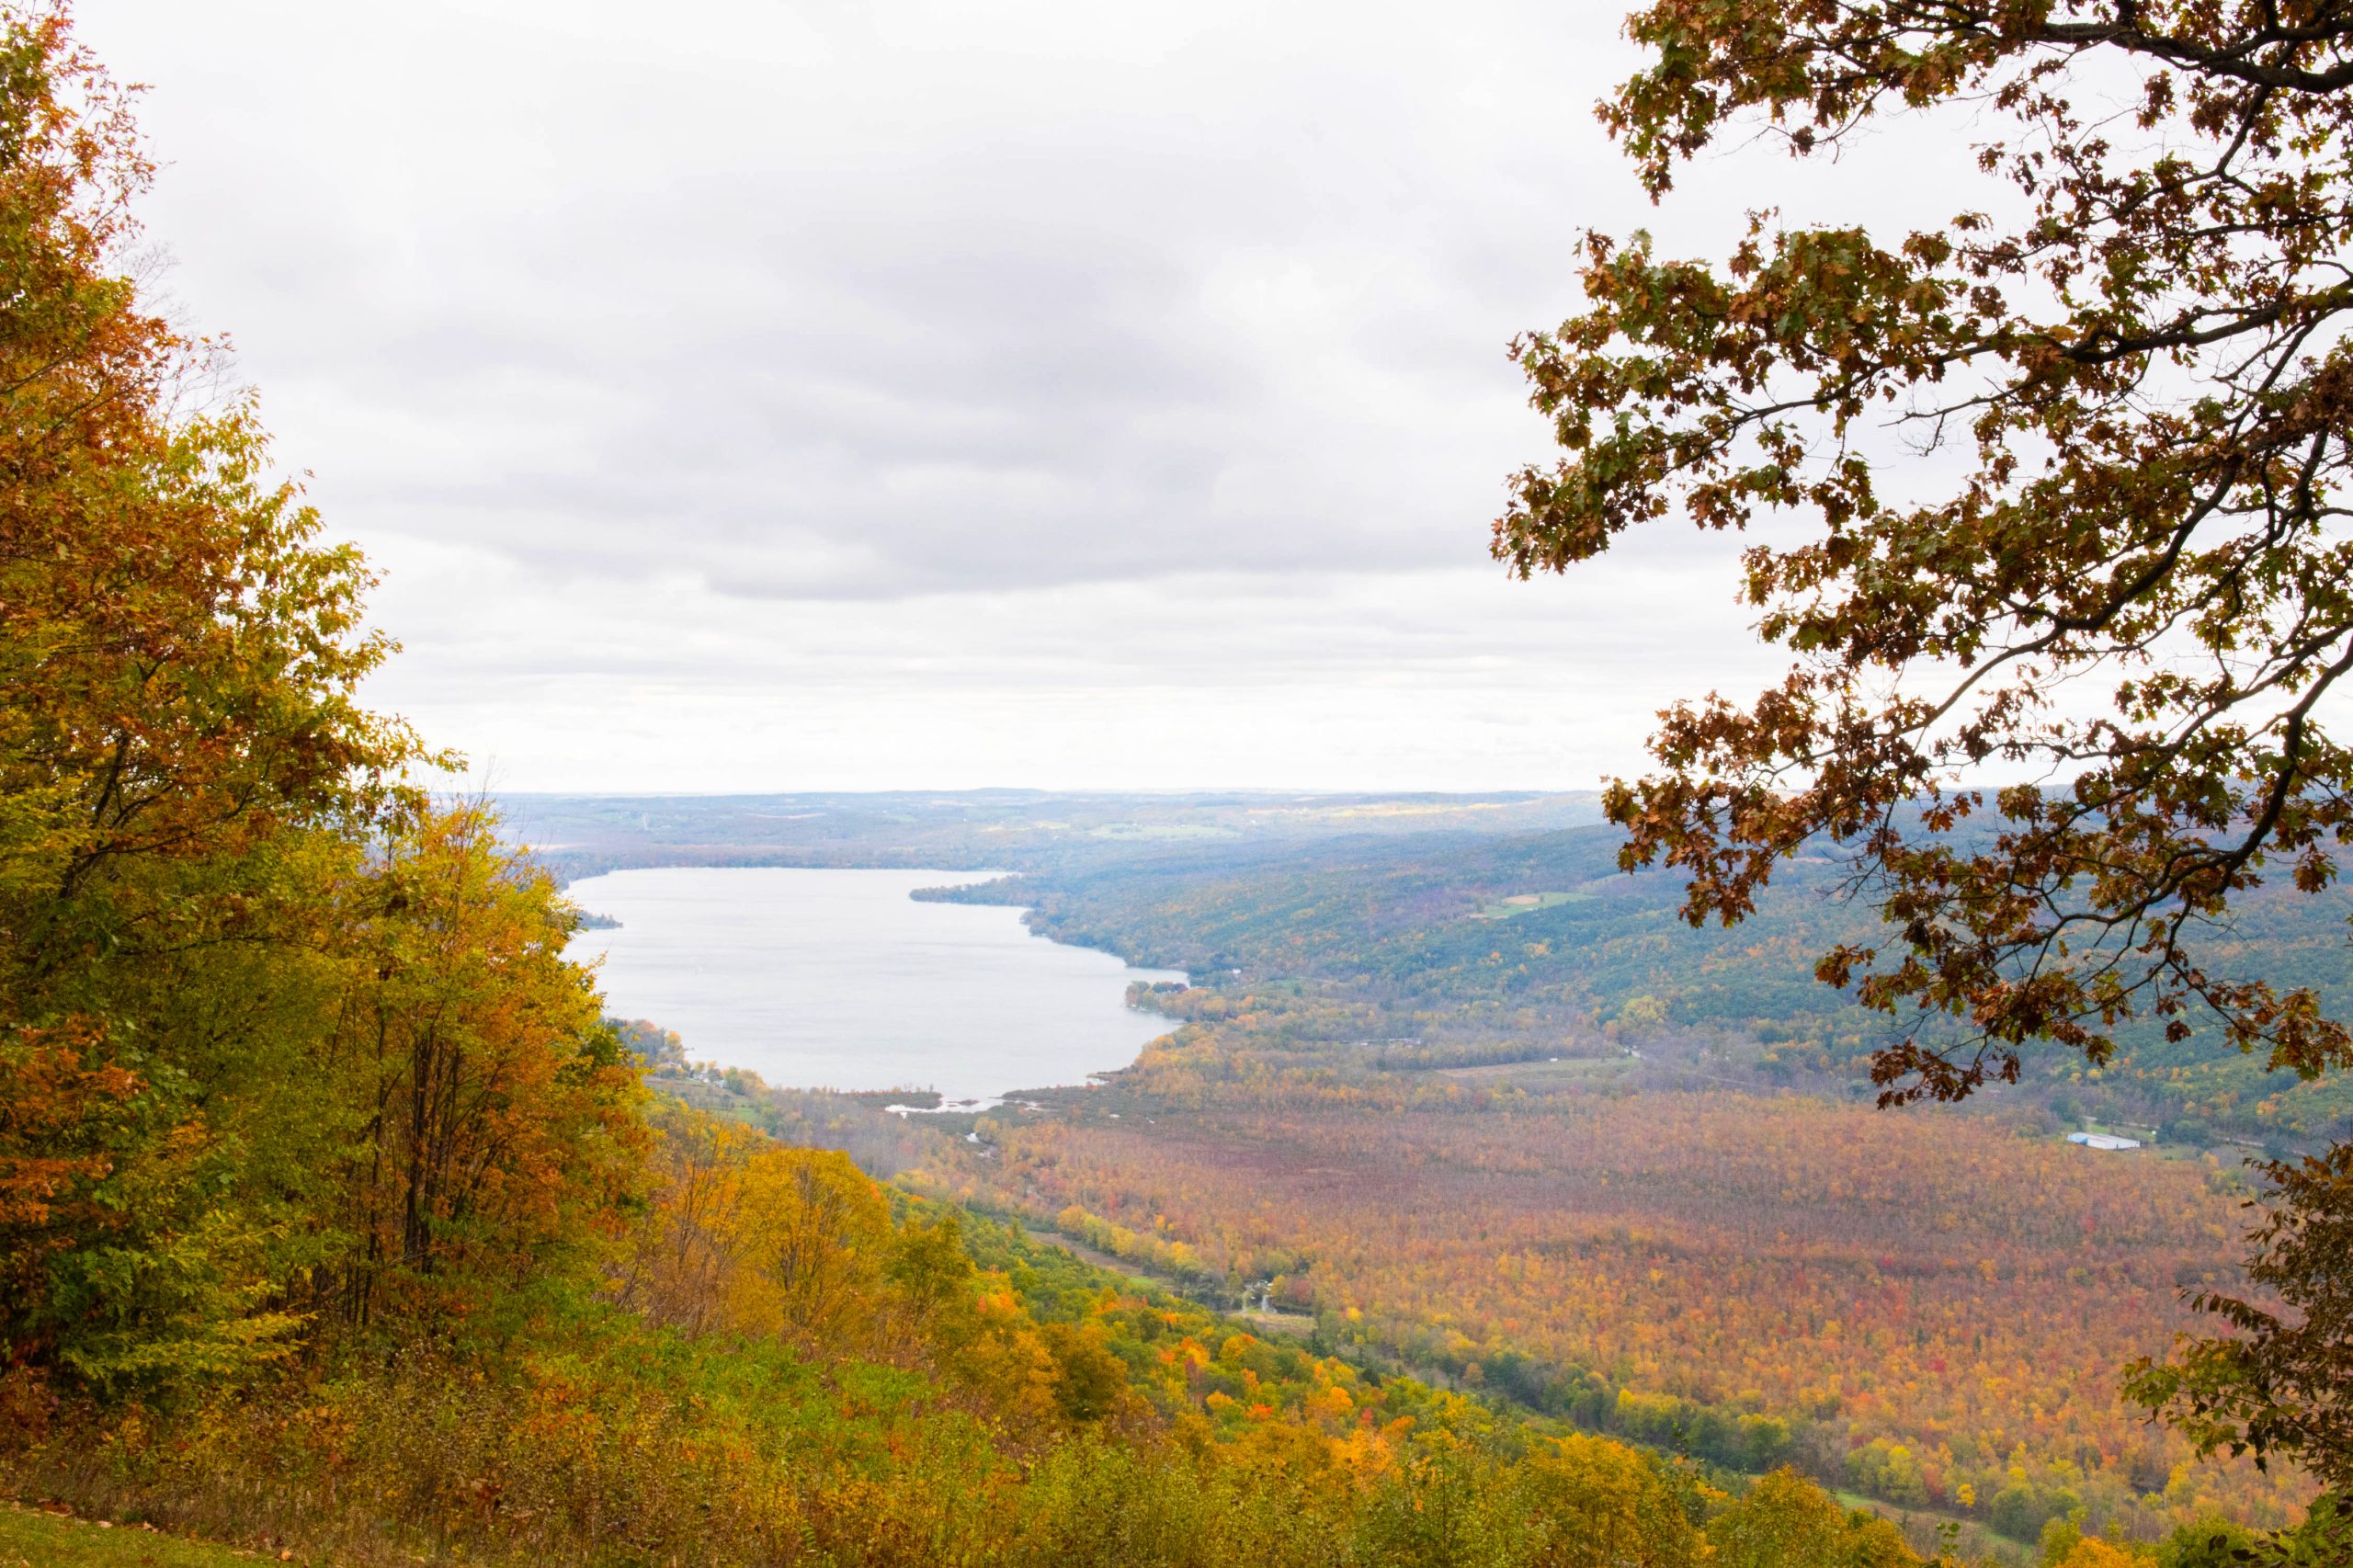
{"points": [[2120, 589]]}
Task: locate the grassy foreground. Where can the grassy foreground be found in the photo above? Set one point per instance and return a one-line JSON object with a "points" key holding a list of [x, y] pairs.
{"points": [[31, 1539]]}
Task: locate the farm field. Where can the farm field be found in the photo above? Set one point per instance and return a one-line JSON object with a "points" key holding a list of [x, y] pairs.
{"points": [[1528, 903]]}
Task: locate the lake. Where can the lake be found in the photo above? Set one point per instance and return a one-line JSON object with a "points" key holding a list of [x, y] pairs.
{"points": [[839, 979]]}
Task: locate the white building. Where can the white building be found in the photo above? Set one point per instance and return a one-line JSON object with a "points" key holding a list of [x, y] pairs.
{"points": [[2102, 1140]]}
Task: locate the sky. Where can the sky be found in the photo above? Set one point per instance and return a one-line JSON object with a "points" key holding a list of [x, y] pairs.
{"points": [[764, 396]]}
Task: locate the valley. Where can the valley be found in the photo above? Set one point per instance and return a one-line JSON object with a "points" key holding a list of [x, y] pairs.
{"points": [[1622, 1176]]}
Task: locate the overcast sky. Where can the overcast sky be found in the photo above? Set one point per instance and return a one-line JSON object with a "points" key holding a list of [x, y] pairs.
{"points": [[771, 396]]}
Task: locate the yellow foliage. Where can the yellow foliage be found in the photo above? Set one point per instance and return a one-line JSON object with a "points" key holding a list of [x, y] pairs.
{"points": [[809, 1230], [2089, 1553]]}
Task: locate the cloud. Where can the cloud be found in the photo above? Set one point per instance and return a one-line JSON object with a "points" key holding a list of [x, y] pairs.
{"points": [[903, 351], [1399, 680], [841, 301]]}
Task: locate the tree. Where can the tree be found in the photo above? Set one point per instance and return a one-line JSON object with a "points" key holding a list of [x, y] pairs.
{"points": [[2141, 380], [814, 1234], [184, 770], [1785, 1518], [279, 1036], [2065, 710], [1088, 1378], [1594, 1502], [494, 1113], [2281, 1385]]}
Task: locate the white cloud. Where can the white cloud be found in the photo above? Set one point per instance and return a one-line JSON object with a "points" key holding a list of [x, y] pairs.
{"points": [[1405, 680], [761, 395]]}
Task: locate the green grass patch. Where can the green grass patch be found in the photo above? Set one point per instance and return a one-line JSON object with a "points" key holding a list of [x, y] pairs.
{"points": [[30, 1538], [1528, 903]]}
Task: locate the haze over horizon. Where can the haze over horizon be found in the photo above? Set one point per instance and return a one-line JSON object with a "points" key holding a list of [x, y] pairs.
{"points": [[831, 397]]}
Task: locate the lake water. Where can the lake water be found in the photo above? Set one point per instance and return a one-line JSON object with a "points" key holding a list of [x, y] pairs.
{"points": [[839, 979]]}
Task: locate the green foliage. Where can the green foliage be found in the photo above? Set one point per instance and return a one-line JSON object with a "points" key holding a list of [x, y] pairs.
{"points": [[1361, 954], [1736, 1440]]}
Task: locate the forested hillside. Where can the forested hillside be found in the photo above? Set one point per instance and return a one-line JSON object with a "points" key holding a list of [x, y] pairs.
{"points": [[578, 835], [1481, 947], [1931, 1311], [1490, 1108]]}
